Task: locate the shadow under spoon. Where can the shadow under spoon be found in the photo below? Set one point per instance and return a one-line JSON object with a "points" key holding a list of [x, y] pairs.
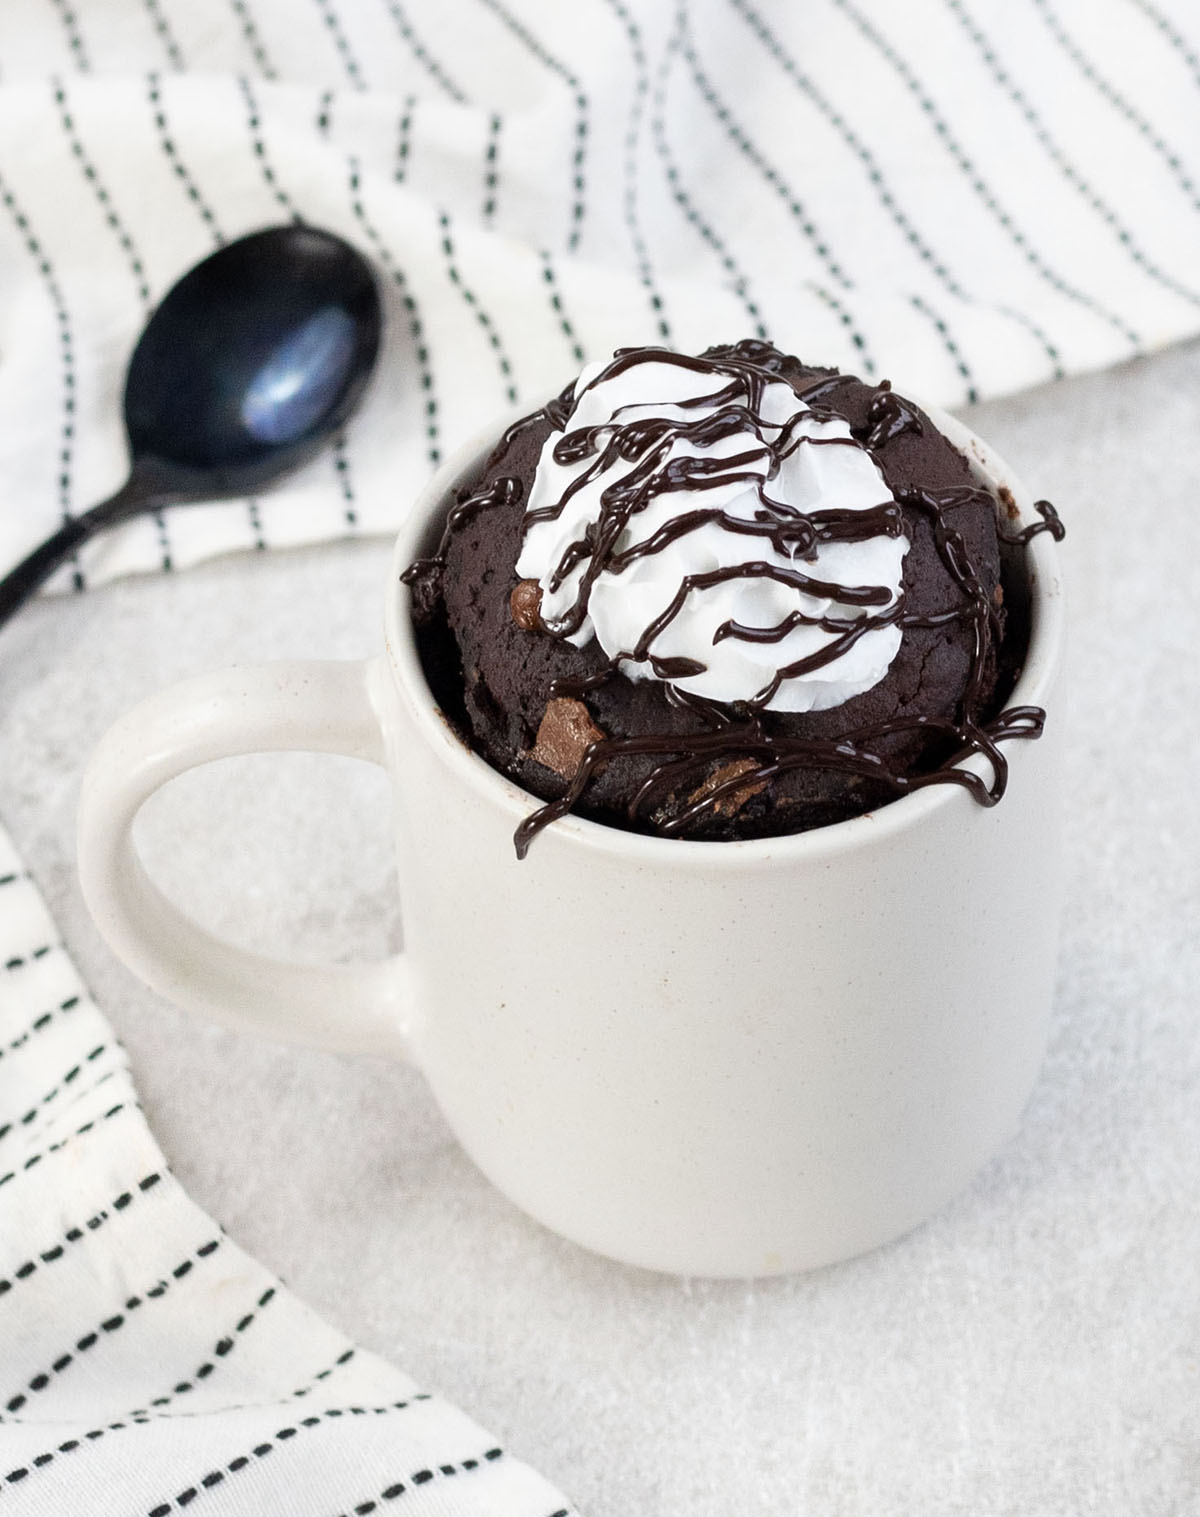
{"points": [[246, 368]]}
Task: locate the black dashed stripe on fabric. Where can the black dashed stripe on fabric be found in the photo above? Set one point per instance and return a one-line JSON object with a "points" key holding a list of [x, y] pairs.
{"points": [[143, 1416], [29, 956], [851, 139], [404, 139], [632, 136], [1118, 101], [579, 152], [259, 146], [321, 1376], [206, 1482], [253, 38], [882, 190], [1018, 237], [747, 148], [780, 187], [402, 1487], [217, 1476], [256, 526], [422, 54], [110, 1325], [950, 142], [491, 177], [165, 35], [190, 188], [14, 879], [69, 1446], [100, 190], [340, 452], [1052, 150], [50, 1120], [1173, 36], [42, 1020], [564, 320], [55, 1090], [738, 280], [955, 352], [333, 24], [53, 1148], [70, 23], [832, 303], [341, 469], [415, 326], [486, 324], [66, 348], [134, 259], [223, 1347], [73, 1235]]}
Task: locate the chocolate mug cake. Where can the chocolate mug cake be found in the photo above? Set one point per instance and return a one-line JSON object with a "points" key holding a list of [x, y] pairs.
{"points": [[727, 596], [719, 598]]}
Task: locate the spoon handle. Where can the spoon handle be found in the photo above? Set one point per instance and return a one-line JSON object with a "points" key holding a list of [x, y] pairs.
{"points": [[19, 584]]}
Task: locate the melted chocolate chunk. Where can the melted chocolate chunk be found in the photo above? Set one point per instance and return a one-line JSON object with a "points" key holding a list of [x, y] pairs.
{"points": [[525, 602], [564, 736], [724, 790]]}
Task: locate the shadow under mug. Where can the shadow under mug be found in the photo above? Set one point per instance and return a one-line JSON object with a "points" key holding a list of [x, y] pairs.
{"points": [[712, 1058]]}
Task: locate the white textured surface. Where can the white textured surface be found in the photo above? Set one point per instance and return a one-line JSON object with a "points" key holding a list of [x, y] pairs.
{"points": [[1034, 1350]]}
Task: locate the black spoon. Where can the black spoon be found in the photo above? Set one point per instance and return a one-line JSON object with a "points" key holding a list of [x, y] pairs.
{"points": [[247, 366]]}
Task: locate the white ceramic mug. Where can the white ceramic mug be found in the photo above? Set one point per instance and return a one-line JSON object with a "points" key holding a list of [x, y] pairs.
{"points": [[715, 1058]]}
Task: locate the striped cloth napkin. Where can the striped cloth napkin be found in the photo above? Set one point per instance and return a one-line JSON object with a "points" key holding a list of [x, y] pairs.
{"points": [[967, 198], [146, 1362]]}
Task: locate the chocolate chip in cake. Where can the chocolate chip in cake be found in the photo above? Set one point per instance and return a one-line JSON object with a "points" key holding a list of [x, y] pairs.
{"points": [[525, 602], [566, 733], [731, 801]]}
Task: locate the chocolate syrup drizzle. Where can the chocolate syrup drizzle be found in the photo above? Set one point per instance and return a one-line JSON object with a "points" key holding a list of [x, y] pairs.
{"points": [[735, 731]]}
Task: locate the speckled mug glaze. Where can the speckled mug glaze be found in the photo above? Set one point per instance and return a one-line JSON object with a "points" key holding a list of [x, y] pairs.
{"points": [[737, 1058]]}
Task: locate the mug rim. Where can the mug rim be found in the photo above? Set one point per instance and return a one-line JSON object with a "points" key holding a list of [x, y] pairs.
{"points": [[1037, 680]]}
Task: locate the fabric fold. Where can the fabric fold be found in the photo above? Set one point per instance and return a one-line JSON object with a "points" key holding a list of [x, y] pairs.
{"points": [[965, 200], [146, 1361]]}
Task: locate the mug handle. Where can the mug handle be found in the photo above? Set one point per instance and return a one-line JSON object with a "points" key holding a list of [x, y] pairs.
{"points": [[316, 707]]}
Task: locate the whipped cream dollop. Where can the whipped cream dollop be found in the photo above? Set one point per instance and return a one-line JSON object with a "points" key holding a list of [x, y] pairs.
{"points": [[716, 530]]}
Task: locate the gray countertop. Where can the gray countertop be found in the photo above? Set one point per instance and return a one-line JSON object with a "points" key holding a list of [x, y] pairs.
{"points": [[1034, 1349]]}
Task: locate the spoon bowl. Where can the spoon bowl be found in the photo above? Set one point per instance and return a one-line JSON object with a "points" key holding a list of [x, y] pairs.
{"points": [[249, 364]]}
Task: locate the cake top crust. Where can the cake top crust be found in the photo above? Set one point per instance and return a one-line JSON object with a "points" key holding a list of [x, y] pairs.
{"points": [[594, 577]]}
